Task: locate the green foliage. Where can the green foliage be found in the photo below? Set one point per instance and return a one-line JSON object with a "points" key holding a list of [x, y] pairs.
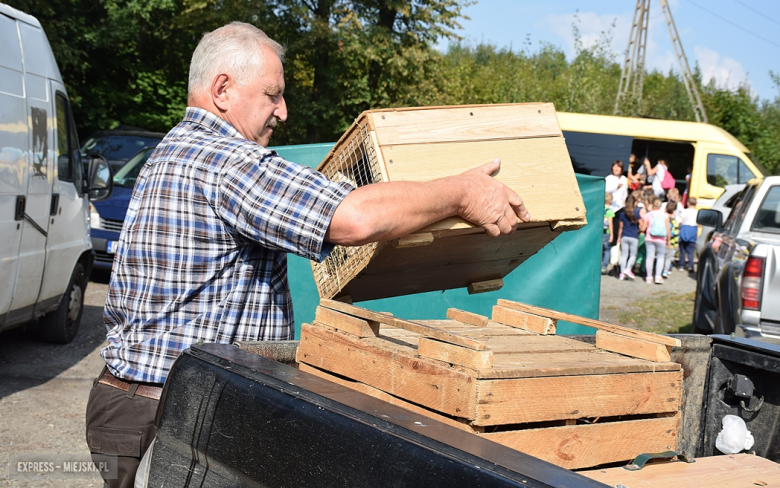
{"points": [[127, 62]]}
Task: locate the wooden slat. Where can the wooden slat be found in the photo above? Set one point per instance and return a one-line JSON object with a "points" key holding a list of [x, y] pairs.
{"points": [[733, 471], [529, 348], [582, 446], [596, 324], [556, 363], [380, 364], [467, 317], [513, 401], [477, 122], [375, 393], [413, 240], [347, 323], [631, 346], [485, 286], [524, 320], [404, 324], [453, 354], [551, 194]]}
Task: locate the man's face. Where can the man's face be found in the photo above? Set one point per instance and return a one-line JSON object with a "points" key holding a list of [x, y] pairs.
{"points": [[260, 104]]}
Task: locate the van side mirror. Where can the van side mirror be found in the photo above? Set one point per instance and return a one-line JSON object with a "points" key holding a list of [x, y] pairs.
{"points": [[100, 183], [710, 218]]}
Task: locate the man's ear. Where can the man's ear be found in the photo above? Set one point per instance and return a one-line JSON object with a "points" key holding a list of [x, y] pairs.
{"points": [[219, 92]]}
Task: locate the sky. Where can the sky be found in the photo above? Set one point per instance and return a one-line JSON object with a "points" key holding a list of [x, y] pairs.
{"points": [[733, 41]]}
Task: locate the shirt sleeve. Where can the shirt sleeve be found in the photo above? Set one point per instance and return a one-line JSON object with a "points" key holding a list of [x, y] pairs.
{"points": [[281, 205]]}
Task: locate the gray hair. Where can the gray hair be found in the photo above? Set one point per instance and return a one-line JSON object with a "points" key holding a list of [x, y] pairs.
{"points": [[235, 49]]}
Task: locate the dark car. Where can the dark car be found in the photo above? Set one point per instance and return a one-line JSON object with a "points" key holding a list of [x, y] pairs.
{"points": [[108, 216], [118, 146]]}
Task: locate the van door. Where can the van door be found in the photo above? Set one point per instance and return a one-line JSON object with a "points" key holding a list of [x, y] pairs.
{"points": [[68, 229], [13, 154], [34, 227]]}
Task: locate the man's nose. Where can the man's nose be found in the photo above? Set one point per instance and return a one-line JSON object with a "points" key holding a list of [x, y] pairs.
{"points": [[281, 111]]}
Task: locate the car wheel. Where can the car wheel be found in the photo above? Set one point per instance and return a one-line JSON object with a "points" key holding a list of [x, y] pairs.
{"points": [[61, 326], [704, 315]]}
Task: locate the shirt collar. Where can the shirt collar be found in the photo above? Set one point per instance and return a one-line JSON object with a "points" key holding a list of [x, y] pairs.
{"points": [[210, 121]]}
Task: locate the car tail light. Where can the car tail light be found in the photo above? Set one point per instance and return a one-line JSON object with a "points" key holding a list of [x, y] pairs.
{"points": [[751, 283]]}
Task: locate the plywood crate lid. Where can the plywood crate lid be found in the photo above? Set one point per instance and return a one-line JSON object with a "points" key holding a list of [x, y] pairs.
{"points": [[422, 144]]}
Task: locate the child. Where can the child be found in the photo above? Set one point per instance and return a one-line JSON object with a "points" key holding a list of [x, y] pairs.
{"points": [[655, 225], [606, 240], [628, 237], [674, 237], [688, 233]]}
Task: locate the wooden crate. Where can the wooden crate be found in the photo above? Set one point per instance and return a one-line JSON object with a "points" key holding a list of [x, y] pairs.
{"points": [[422, 144], [733, 471], [507, 379]]}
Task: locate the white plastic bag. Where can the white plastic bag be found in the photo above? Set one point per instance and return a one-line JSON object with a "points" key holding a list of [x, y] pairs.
{"points": [[734, 437], [614, 255]]}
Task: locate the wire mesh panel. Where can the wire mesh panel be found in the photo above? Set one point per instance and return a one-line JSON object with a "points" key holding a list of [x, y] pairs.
{"points": [[355, 161]]}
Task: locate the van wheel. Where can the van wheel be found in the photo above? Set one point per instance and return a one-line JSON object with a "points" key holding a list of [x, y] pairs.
{"points": [[61, 326]]}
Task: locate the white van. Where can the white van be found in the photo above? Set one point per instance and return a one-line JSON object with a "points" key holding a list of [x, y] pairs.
{"points": [[45, 250]]}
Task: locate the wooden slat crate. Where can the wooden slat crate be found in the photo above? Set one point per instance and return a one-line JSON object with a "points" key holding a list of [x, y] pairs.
{"points": [[570, 403], [422, 144]]}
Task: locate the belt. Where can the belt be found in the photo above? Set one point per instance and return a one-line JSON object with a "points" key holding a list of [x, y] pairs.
{"points": [[146, 391]]}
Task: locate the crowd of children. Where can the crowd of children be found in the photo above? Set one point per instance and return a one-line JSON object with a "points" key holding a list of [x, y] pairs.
{"points": [[647, 232]]}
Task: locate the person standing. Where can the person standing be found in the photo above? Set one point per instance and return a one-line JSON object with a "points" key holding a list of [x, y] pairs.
{"points": [[617, 185], [655, 225], [689, 231], [202, 255], [628, 237], [609, 232], [658, 173]]}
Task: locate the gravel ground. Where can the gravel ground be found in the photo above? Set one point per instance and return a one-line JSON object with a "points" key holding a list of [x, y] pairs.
{"points": [[617, 296], [44, 387]]}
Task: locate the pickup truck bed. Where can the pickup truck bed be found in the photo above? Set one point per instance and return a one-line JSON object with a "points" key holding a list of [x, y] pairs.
{"points": [[230, 417]]}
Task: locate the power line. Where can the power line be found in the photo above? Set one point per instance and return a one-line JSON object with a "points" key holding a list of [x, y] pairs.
{"points": [[759, 13], [735, 25]]}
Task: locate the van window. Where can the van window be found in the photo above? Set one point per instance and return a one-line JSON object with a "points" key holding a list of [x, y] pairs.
{"points": [[11, 54], [68, 160], [593, 154], [725, 170]]}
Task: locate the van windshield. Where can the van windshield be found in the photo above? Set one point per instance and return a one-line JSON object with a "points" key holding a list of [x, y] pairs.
{"points": [[758, 164]]}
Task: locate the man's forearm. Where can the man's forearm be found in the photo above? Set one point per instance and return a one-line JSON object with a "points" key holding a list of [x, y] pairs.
{"points": [[386, 211]]}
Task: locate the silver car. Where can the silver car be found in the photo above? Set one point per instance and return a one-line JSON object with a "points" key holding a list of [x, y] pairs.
{"points": [[738, 280]]}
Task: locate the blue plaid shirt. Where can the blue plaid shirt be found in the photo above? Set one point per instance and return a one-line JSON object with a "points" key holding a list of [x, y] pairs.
{"points": [[203, 250]]}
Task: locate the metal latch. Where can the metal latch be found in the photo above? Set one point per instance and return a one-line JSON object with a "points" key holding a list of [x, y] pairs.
{"points": [[640, 461]]}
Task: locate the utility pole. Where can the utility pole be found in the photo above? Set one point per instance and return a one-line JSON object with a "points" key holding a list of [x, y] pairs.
{"points": [[633, 74], [687, 76]]}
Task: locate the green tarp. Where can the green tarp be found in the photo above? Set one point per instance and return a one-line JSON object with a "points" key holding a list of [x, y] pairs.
{"points": [[565, 275]]}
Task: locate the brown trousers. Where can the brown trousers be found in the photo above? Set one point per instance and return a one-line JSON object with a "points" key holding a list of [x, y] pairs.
{"points": [[119, 424]]}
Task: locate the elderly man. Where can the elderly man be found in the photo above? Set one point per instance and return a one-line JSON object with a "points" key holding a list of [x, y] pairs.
{"points": [[202, 255]]}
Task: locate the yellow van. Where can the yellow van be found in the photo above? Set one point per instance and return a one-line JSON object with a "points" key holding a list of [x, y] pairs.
{"points": [[713, 157]]}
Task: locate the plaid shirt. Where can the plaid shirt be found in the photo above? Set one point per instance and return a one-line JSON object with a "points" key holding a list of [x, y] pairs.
{"points": [[203, 250]]}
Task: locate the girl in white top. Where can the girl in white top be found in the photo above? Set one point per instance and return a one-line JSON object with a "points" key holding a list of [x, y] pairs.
{"points": [[617, 185], [658, 172]]}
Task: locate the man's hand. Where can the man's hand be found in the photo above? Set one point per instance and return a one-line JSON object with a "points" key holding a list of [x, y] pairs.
{"points": [[489, 203]]}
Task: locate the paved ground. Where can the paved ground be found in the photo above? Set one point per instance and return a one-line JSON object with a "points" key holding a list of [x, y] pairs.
{"points": [[44, 387]]}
